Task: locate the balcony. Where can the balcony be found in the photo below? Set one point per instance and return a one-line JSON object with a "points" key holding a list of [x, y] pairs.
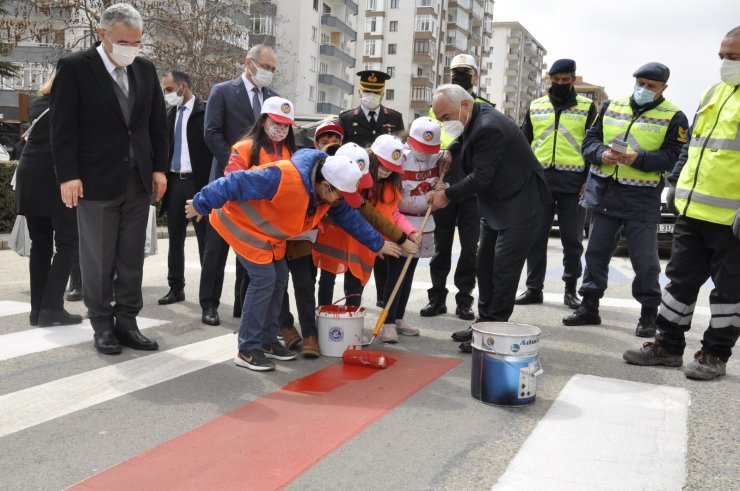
{"points": [[508, 105], [420, 104], [514, 40], [334, 81], [331, 50], [422, 82], [334, 22], [510, 88], [530, 48], [512, 72], [351, 6], [424, 51], [328, 108]]}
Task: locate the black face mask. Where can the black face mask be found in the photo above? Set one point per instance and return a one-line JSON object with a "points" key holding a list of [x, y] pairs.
{"points": [[560, 91], [463, 79]]}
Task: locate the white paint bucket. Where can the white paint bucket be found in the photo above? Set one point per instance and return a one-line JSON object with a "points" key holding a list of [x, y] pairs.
{"points": [[505, 363], [339, 326]]}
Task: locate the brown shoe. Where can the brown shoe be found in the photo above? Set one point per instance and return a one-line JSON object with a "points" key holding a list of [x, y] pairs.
{"points": [[290, 336], [310, 347]]}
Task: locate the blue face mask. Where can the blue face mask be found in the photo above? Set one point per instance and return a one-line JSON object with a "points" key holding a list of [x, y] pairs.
{"points": [[643, 96]]}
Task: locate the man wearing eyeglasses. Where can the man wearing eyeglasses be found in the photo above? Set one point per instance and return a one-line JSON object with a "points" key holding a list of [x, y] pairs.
{"points": [[232, 109], [109, 144]]}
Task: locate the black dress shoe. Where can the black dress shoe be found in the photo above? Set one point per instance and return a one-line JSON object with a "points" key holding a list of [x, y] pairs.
{"points": [[73, 295], [433, 308], [135, 340], [466, 347], [210, 317], [464, 312], [174, 295], [106, 342], [463, 336], [53, 318], [380, 304], [529, 297]]}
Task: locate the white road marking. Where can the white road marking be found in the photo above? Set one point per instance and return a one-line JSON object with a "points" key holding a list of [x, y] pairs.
{"points": [[9, 307], [41, 403], [39, 339], [603, 433]]}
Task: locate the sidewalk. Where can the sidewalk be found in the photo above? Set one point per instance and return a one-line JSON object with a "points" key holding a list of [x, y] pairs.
{"points": [[161, 234]]}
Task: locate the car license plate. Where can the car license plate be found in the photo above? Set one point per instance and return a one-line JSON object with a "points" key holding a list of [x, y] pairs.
{"points": [[665, 228]]}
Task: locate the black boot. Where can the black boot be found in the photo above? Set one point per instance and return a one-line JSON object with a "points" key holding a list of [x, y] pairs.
{"points": [[586, 314], [646, 324], [570, 299], [74, 293]]}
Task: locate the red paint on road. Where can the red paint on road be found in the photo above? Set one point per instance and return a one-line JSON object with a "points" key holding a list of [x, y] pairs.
{"points": [[271, 441]]}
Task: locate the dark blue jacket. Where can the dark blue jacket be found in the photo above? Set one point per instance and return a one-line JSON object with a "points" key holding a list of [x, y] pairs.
{"points": [[607, 196], [258, 184]]}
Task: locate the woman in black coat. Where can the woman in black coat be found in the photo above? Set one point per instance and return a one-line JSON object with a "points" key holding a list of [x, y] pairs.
{"points": [[50, 223]]}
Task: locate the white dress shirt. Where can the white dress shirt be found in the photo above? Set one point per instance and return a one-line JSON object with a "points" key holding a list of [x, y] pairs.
{"points": [[110, 66], [185, 165], [250, 90]]}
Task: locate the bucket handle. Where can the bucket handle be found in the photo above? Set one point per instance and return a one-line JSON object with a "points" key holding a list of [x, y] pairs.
{"points": [[346, 297]]}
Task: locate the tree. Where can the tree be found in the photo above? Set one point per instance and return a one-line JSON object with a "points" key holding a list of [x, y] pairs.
{"points": [[7, 69]]}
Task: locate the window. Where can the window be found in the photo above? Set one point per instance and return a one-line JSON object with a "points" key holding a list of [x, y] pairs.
{"points": [[316, 5], [373, 47], [372, 66], [323, 67], [424, 23], [261, 24], [391, 70], [393, 26], [375, 4], [419, 72], [390, 94], [420, 93], [314, 33], [394, 4], [374, 25], [423, 3], [322, 96], [327, 9], [313, 63], [311, 92], [392, 49]]}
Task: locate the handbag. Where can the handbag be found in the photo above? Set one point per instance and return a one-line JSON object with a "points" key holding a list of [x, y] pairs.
{"points": [[150, 246], [20, 239]]}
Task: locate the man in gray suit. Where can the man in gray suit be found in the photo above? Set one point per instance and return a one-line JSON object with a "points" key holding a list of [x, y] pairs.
{"points": [[109, 144], [232, 109]]}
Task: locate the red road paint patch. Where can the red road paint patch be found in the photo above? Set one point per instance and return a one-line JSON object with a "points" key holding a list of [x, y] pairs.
{"points": [[314, 416]]}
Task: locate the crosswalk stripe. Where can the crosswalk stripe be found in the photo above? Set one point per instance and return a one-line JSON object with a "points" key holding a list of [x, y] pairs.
{"points": [[41, 403], [40, 339], [608, 434], [10, 307]]}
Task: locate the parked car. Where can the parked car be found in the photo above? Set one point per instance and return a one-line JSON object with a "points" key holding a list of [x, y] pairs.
{"points": [[664, 228], [4, 155]]}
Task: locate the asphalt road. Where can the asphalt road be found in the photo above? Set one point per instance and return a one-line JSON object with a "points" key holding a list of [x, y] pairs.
{"points": [[68, 413]]}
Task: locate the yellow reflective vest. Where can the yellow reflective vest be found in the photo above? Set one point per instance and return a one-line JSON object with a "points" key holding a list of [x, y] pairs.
{"points": [[558, 143], [708, 187], [644, 132]]}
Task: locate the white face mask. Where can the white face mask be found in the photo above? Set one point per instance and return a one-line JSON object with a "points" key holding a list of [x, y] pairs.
{"points": [[370, 100], [729, 72], [173, 99], [277, 132], [123, 55], [261, 77], [454, 127]]}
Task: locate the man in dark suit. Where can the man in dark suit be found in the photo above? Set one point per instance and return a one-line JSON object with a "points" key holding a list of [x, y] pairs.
{"points": [[232, 109], [504, 174], [109, 144], [190, 164]]}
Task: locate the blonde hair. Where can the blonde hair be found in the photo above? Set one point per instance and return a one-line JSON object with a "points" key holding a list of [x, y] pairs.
{"points": [[45, 88]]}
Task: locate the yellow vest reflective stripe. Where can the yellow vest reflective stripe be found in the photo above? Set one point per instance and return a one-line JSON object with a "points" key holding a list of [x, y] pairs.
{"points": [[708, 187], [444, 138], [569, 133], [645, 132]]}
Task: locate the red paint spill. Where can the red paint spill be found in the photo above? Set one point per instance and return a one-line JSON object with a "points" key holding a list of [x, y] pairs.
{"points": [[271, 441]]}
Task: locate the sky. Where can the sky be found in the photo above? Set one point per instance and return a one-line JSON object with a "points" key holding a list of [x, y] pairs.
{"points": [[611, 39]]}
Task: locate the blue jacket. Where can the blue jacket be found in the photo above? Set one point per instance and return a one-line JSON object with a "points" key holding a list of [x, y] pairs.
{"points": [[260, 183]]}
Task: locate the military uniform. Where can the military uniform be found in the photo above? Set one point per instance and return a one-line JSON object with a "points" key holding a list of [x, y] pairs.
{"points": [[357, 128]]}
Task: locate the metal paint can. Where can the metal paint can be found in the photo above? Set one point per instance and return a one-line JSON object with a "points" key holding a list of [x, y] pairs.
{"points": [[339, 327]]}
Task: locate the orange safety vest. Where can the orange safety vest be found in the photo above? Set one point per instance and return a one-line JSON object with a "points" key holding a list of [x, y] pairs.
{"points": [[337, 252], [258, 229], [241, 152]]}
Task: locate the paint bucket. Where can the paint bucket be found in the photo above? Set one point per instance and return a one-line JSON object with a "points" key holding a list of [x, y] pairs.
{"points": [[505, 363], [339, 326]]}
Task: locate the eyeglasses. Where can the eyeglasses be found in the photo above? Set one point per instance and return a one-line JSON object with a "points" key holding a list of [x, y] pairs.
{"points": [[268, 68]]}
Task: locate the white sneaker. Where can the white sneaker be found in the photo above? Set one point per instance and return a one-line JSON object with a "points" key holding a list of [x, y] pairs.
{"points": [[389, 334], [404, 328]]}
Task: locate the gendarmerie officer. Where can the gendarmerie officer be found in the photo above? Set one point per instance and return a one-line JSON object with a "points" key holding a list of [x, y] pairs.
{"points": [[555, 126], [634, 141]]}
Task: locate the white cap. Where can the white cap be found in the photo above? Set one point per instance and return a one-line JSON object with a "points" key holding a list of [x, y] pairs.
{"points": [[389, 150], [360, 157], [344, 174], [424, 135], [280, 110], [463, 60]]}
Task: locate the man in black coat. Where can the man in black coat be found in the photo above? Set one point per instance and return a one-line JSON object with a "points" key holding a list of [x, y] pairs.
{"points": [[109, 144], [190, 164], [232, 109], [504, 174]]}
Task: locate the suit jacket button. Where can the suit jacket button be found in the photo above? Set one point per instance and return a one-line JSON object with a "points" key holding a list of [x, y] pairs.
{"points": [[373, 132], [125, 159]]}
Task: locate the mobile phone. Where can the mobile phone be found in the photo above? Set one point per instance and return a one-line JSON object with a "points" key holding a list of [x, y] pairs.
{"points": [[618, 146]]}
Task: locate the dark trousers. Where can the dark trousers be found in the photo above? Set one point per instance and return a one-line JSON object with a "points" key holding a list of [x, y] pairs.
{"points": [[215, 254], [501, 256], [49, 270], [352, 288], [303, 274], [179, 191], [112, 255], [394, 266], [570, 222], [701, 250], [380, 274], [642, 241], [75, 276], [465, 216]]}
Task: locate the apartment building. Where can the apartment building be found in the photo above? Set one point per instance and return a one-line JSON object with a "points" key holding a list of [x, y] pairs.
{"points": [[514, 69]]}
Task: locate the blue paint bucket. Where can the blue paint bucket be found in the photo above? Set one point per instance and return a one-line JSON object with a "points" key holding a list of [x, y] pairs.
{"points": [[505, 363]]}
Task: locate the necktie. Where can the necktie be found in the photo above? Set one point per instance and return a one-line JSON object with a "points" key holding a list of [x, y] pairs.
{"points": [[121, 80], [372, 117], [176, 152], [256, 105]]}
